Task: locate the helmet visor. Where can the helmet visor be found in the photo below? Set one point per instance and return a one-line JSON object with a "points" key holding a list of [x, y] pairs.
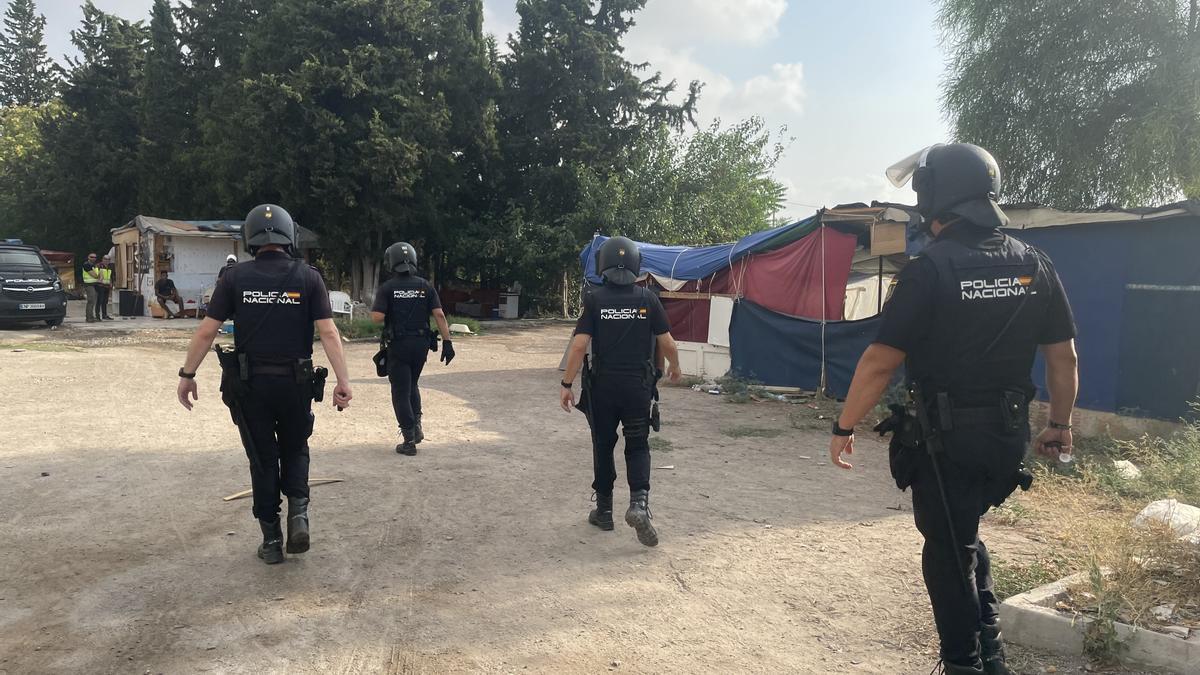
{"points": [[901, 172]]}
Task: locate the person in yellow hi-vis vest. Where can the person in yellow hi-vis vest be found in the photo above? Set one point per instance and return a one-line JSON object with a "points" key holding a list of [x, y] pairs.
{"points": [[91, 287], [104, 289]]}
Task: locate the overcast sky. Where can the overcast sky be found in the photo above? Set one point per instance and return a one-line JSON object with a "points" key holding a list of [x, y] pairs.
{"points": [[855, 82]]}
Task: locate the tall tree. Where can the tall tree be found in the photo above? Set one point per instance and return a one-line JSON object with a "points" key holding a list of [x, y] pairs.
{"points": [[1083, 102], [23, 193], [571, 106], [337, 121], [28, 75], [708, 187], [214, 36], [166, 120], [460, 180], [91, 171]]}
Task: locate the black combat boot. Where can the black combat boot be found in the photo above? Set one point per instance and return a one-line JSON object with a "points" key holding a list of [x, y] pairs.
{"points": [[409, 446], [418, 433], [638, 517], [271, 550], [991, 649], [601, 516], [297, 540]]}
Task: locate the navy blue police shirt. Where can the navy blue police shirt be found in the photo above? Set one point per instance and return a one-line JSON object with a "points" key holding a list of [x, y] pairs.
{"points": [[623, 322], [407, 301], [976, 332], [274, 300]]}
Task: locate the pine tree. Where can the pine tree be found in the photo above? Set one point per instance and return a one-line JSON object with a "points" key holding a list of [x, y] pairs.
{"points": [[27, 74], [336, 119], [571, 107], [459, 183], [165, 187], [92, 148]]}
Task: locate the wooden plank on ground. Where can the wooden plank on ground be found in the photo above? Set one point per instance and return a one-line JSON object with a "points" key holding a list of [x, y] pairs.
{"points": [[311, 483]]}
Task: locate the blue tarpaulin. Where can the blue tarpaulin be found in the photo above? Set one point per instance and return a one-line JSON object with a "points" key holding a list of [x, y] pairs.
{"points": [[784, 351], [1134, 288], [688, 264]]}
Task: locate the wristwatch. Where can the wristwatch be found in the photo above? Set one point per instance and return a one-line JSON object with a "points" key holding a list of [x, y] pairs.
{"points": [[565, 384], [186, 375], [1055, 425], [838, 431]]}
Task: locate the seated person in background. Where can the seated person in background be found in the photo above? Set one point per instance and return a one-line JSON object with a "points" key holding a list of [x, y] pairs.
{"points": [[165, 289]]}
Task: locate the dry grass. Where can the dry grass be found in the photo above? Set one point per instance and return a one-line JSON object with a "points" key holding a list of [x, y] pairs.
{"points": [[1088, 516]]}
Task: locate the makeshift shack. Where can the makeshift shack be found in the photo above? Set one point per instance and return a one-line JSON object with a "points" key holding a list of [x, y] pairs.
{"points": [[192, 252], [64, 265], [770, 307]]}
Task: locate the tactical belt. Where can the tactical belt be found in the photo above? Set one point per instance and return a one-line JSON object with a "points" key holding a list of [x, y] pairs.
{"points": [[281, 370], [299, 369], [971, 417], [1009, 413]]}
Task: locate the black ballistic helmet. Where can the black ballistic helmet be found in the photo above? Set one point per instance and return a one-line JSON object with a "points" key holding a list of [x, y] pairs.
{"points": [[401, 258], [268, 224], [619, 261], [952, 181]]}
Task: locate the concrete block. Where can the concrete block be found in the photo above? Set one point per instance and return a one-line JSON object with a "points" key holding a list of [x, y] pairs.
{"points": [[1031, 620]]}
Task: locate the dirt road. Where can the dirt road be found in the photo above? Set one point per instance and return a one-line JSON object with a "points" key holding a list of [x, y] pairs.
{"points": [[119, 556]]}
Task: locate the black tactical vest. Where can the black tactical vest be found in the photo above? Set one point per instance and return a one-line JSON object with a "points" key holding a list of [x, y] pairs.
{"points": [[624, 340], [408, 306], [992, 296], [271, 316]]}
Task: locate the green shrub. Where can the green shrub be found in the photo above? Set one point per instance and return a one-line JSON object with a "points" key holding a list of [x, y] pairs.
{"points": [[358, 328]]}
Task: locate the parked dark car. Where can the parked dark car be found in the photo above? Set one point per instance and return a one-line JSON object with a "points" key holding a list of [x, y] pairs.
{"points": [[30, 289]]}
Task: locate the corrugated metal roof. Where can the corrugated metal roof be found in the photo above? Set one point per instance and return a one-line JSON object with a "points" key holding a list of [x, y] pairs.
{"points": [[214, 229]]}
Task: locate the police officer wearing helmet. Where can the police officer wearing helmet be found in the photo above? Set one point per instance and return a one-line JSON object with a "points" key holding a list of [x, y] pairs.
{"points": [[967, 318], [404, 304], [268, 380], [629, 335]]}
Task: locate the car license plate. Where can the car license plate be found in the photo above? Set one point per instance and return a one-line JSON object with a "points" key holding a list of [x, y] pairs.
{"points": [[33, 305]]}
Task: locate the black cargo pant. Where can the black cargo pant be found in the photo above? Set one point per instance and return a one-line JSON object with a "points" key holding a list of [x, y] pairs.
{"points": [[620, 399], [979, 470], [103, 294], [405, 361], [277, 418]]}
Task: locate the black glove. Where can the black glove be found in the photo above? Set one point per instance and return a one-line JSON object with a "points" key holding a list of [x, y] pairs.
{"points": [[447, 352], [380, 360]]}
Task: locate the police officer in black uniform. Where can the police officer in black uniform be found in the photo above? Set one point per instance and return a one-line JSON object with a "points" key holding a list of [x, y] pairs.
{"points": [[627, 329], [404, 304], [268, 380], [966, 319]]}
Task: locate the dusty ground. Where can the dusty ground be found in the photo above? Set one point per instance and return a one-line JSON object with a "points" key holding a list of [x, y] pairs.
{"points": [[119, 555]]}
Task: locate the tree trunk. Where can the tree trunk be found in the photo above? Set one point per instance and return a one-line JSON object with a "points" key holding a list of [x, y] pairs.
{"points": [[355, 277], [365, 278], [373, 281], [566, 294]]}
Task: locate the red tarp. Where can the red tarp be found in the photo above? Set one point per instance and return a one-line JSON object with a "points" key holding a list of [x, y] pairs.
{"points": [[689, 319], [786, 281]]}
